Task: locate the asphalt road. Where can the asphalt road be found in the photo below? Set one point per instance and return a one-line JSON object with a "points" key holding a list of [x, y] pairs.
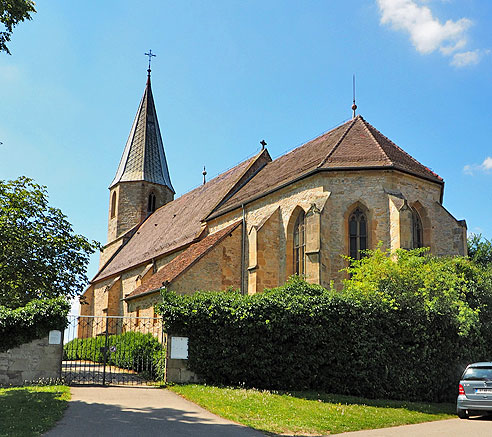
{"points": [[141, 411], [474, 427]]}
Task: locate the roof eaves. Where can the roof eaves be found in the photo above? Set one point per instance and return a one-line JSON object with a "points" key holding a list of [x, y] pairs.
{"points": [[401, 150], [312, 172]]}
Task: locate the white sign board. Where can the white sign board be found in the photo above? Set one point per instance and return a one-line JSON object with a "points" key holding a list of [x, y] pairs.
{"points": [[54, 337], [179, 348]]}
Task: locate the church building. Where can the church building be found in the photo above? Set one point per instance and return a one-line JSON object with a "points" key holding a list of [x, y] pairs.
{"points": [[263, 220]]}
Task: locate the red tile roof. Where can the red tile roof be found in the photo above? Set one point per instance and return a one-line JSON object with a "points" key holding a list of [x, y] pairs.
{"points": [[183, 261], [354, 145], [176, 224]]}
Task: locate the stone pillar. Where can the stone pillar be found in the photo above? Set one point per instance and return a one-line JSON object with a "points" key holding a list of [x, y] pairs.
{"points": [[252, 259], [313, 244]]}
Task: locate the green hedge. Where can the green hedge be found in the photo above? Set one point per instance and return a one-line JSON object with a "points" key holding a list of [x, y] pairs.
{"points": [[130, 350], [33, 321], [302, 336]]}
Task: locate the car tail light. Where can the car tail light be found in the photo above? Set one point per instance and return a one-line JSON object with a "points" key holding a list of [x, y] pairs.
{"points": [[461, 390]]}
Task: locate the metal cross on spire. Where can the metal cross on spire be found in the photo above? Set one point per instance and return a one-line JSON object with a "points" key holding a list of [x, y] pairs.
{"points": [[150, 55]]}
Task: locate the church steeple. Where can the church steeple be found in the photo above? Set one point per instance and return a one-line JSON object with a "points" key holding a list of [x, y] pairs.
{"points": [[143, 157], [142, 182]]}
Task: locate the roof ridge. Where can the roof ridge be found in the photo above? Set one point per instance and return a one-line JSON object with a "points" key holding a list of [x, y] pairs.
{"points": [[365, 123], [351, 124], [399, 149]]}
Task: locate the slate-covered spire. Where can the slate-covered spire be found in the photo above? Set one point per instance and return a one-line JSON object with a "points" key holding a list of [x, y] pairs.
{"points": [[144, 158]]}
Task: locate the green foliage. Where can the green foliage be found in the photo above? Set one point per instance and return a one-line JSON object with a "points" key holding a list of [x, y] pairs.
{"points": [[308, 412], [480, 250], [130, 350], [12, 12], [35, 320], [398, 330], [40, 256], [30, 411], [416, 280]]}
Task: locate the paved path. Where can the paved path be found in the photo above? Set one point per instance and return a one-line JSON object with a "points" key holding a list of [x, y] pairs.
{"points": [[140, 411], [474, 427]]}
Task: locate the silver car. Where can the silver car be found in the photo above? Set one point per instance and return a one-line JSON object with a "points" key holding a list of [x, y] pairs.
{"points": [[475, 390]]}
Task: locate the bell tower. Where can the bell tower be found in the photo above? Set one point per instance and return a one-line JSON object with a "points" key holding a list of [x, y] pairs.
{"points": [[142, 183]]}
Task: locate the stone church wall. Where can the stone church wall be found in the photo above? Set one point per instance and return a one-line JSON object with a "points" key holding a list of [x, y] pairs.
{"points": [[219, 269], [336, 195], [387, 197]]}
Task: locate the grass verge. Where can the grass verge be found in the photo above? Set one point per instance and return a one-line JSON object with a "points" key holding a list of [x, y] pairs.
{"points": [[31, 411], [309, 413]]}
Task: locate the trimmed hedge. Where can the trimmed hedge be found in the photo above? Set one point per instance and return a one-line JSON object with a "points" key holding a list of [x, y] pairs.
{"points": [[302, 336], [33, 321], [130, 350]]}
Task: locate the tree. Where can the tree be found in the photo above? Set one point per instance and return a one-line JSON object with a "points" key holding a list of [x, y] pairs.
{"points": [[40, 256], [418, 280], [13, 12], [480, 250]]}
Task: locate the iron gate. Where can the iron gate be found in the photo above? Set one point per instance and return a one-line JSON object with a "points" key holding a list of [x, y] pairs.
{"points": [[114, 350]]}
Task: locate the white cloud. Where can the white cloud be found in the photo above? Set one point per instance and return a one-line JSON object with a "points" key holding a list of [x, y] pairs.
{"points": [[427, 32], [466, 58], [485, 166]]}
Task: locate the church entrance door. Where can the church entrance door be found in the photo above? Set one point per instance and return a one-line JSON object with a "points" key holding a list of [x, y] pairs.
{"points": [[114, 350]]}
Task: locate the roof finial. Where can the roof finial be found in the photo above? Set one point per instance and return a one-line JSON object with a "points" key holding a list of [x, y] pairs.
{"points": [[354, 106], [204, 173], [263, 144], [150, 55]]}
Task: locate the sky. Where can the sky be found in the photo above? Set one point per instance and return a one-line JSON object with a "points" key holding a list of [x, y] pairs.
{"points": [[229, 73]]}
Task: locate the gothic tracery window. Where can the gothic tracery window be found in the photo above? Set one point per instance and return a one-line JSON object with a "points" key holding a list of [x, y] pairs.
{"points": [[151, 203], [417, 230], [357, 234], [299, 245]]}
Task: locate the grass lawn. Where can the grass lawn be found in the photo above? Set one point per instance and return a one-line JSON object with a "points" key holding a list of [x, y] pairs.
{"points": [[310, 413], [30, 411]]}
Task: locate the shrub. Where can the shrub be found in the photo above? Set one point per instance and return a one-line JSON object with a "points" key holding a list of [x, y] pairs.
{"points": [[130, 350], [35, 320], [399, 330]]}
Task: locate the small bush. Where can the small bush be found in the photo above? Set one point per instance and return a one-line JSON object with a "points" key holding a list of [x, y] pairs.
{"points": [[130, 350]]}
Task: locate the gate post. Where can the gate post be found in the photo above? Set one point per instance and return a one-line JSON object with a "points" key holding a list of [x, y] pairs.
{"points": [[105, 352]]}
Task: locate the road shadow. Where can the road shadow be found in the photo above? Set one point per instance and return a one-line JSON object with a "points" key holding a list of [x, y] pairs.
{"points": [[96, 419]]}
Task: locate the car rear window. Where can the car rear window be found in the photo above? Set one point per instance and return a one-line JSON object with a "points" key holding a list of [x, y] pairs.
{"points": [[478, 373]]}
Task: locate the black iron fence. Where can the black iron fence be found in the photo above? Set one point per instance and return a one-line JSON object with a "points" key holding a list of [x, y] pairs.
{"points": [[114, 350]]}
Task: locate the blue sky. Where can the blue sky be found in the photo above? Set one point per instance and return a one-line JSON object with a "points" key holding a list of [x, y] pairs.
{"points": [[230, 73]]}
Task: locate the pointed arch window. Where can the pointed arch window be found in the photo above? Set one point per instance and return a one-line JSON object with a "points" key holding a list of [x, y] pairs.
{"points": [[151, 203], [357, 234], [113, 205], [299, 245], [417, 230]]}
